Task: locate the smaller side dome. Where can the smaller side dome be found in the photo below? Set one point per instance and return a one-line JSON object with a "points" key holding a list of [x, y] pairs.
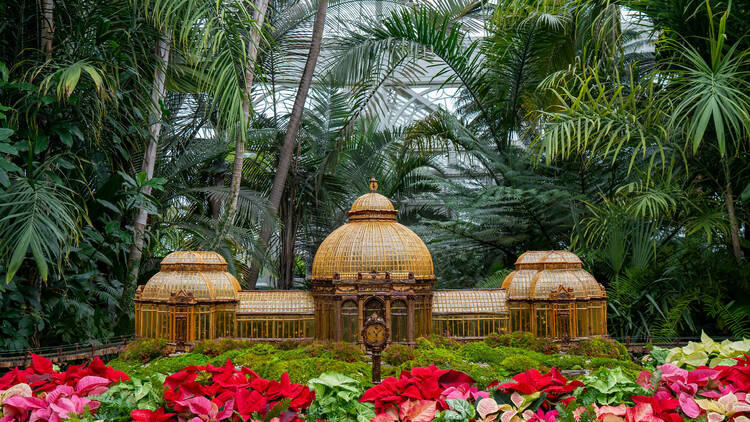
{"points": [[202, 273], [518, 284], [194, 260], [540, 274], [541, 260]]}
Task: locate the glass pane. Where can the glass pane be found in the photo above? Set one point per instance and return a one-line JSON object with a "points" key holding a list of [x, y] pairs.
{"points": [[398, 321], [349, 321], [373, 306]]}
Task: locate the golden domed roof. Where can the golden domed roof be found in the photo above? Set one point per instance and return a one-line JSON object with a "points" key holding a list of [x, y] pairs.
{"points": [[202, 273], [372, 241], [372, 206], [539, 260], [539, 274]]}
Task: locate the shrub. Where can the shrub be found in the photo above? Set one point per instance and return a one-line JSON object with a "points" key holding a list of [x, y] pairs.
{"points": [[522, 340], [262, 349], [303, 370], [432, 341], [290, 344], [219, 346], [564, 361], [397, 354], [521, 363], [600, 347], [346, 352], [479, 351], [164, 365], [144, 350], [221, 359]]}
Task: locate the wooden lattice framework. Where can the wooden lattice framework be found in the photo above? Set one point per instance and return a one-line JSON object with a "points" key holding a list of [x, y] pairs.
{"points": [[192, 298], [550, 295], [372, 264]]}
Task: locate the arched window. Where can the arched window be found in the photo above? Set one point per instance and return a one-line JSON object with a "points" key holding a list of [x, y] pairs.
{"points": [[374, 306], [349, 321], [399, 314]]}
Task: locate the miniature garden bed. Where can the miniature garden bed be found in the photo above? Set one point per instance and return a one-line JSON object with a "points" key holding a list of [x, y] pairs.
{"points": [[439, 380]]}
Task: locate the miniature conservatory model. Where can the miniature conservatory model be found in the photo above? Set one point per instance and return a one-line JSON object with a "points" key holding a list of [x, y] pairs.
{"points": [[550, 295], [371, 265]]}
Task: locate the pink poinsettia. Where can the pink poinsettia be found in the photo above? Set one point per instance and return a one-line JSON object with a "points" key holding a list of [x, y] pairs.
{"points": [[40, 393], [410, 411], [541, 416], [42, 377], [61, 403], [463, 392], [605, 411], [206, 410]]}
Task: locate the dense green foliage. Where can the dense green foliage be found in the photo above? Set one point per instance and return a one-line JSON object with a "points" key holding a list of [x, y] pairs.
{"points": [[617, 130]]}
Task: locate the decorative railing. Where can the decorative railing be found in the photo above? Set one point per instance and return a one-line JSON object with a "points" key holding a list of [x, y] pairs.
{"points": [[64, 353]]}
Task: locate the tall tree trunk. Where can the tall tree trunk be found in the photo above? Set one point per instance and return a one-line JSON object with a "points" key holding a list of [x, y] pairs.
{"points": [[290, 138], [149, 160], [733, 225], [288, 234], [215, 202], [239, 147], [48, 26]]}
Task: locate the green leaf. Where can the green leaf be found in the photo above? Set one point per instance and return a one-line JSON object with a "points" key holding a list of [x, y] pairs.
{"points": [[745, 195], [463, 407], [8, 149], [41, 143], [4, 73], [5, 133], [4, 180], [7, 165], [65, 137]]}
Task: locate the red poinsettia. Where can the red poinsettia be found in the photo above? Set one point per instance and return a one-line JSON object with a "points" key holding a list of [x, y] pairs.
{"points": [[145, 415], [662, 404], [553, 384], [738, 375], [418, 384], [217, 391], [42, 377]]}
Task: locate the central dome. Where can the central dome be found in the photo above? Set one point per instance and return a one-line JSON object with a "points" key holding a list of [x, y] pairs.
{"points": [[372, 241]]}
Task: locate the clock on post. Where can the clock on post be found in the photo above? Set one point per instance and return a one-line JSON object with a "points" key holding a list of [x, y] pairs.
{"points": [[375, 336]]}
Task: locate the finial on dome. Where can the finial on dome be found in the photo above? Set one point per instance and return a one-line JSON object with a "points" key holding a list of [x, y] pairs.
{"points": [[373, 184]]}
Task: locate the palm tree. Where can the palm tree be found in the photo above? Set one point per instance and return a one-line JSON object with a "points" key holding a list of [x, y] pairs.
{"points": [[239, 149], [661, 117], [158, 91], [290, 138], [711, 101], [214, 43]]}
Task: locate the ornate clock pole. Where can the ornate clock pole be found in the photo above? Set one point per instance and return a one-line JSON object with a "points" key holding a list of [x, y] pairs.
{"points": [[375, 336]]}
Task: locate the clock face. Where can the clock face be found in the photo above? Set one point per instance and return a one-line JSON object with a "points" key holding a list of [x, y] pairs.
{"points": [[375, 334]]}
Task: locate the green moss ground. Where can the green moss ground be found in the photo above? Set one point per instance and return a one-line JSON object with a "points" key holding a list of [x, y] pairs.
{"points": [[482, 361]]}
